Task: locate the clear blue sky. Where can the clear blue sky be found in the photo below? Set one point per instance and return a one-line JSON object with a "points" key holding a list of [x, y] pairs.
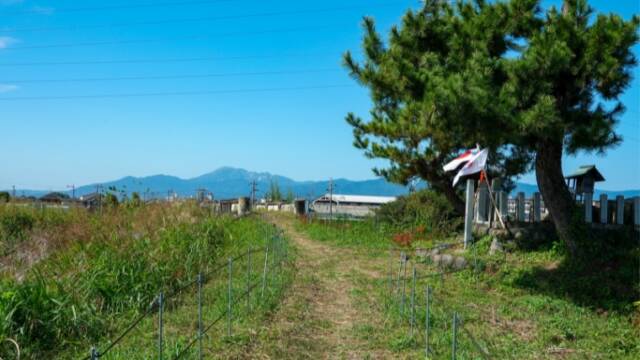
{"points": [[277, 45]]}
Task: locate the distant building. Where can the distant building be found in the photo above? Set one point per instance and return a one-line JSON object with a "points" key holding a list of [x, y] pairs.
{"points": [[91, 200], [349, 205], [583, 180], [227, 206]]}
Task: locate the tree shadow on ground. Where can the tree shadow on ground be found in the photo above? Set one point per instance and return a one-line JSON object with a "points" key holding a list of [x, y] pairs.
{"points": [[609, 280]]}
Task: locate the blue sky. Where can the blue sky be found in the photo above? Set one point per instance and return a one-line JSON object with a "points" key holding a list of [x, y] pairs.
{"points": [[274, 99]]}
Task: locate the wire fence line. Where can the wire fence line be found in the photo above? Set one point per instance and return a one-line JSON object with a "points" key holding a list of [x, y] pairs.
{"points": [[275, 256], [405, 301]]}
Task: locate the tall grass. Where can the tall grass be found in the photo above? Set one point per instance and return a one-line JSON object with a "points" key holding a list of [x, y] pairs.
{"points": [[104, 268]]}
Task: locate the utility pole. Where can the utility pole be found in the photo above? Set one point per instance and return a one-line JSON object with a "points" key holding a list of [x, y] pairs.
{"points": [[331, 186], [99, 192], [73, 190], [254, 188]]}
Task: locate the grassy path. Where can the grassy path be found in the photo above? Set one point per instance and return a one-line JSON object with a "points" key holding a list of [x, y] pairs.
{"points": [[323, 312]]}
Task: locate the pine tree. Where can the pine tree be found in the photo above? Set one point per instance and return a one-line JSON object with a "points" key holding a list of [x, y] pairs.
{"points": [[567, 81], [530, 86], [436, 89]]}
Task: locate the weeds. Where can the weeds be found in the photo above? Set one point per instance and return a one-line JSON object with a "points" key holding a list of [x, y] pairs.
{"points": [[520, 304], [106, 267]]}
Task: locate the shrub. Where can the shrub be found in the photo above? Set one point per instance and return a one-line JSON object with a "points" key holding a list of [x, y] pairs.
{"points": [[111, 200], [426, 211]]}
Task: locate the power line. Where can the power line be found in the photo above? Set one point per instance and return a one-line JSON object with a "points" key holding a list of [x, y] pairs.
{"points": [[173, 93], [189, 37], [164, 77], [197, 19], [167, 60], [115, 7]]}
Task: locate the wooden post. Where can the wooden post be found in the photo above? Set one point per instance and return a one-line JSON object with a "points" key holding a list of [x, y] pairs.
{"points": [[620, 210], [588, 207], [520, 207], [468, 214], [604, 209], [537, 207]]}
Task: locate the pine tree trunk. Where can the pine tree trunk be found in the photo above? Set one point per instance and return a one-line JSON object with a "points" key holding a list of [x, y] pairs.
{"points": [[555, 193]]}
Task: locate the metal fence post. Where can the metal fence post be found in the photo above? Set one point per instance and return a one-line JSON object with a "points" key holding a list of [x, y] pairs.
{"points": [[400, 271], [413, 300], [200, 282], [404, 285], [390, 271], [285, 248], [229, 312], [427, 321], [160, 324], [264, 271], [454, 344], [249, 279]]}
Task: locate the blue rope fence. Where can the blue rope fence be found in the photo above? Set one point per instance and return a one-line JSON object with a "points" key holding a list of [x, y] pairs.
{"points": [[407, 306], [275, 255]]}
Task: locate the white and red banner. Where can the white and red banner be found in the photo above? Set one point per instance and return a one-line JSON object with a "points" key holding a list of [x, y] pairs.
{"points": [[474, 162], [462, 159]]}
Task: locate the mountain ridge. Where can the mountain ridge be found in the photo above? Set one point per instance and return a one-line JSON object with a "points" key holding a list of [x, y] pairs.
{"points": [[229, 182]]}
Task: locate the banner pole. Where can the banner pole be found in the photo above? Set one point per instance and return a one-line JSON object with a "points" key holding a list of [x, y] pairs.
{"points": [[495, 206]]}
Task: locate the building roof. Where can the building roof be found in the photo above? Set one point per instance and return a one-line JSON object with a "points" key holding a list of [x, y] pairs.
{"points": [[364, 199], [585, 170], [90, 196]]}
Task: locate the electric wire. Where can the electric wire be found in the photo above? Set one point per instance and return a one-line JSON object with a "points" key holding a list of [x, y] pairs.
{"points": [[170, 77], [175, 93], [187, 37], [165, 60], [39, 10], [197, 19]]}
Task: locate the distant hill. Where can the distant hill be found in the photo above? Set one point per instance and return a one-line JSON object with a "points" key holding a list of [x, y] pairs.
{"points": [[529, 189], [229, 182]]}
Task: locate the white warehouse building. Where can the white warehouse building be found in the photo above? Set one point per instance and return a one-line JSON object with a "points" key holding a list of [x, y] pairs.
{"points": [[349, 205]]}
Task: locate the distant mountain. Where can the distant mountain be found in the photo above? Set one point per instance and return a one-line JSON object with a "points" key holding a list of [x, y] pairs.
{"points": [[229, 182], [529, 189]]}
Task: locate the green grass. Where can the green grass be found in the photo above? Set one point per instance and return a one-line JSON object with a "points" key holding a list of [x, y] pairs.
{"points": [[508, 312], [250, 308], [366, 234], [103, 269]]}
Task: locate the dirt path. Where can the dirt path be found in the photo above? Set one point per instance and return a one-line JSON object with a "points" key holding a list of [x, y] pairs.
{"points": [[318, 319]]}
